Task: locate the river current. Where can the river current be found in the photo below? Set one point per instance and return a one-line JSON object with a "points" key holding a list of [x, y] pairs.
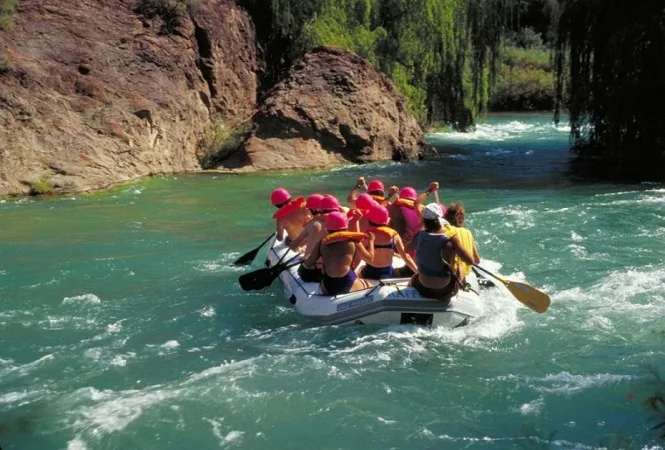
{"points": [[122, 324]]}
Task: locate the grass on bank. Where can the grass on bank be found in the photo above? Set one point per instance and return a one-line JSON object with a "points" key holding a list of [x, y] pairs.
{"points": [[43, 186], [225, 140], [7, 10]]}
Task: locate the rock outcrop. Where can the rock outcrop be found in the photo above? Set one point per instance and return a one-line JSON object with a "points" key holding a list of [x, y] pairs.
{"points": [[97, 94], [332, 107]]}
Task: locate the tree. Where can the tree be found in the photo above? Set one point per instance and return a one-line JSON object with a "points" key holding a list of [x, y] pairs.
{"points": [[612, 55]]}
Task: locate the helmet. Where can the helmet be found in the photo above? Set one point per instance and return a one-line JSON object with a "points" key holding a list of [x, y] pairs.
{"points": [[375, 185], [408, 193], [279, 196], [336, 221], [365, 202], [329, 203], [433, 211], [378, 215], [314, 201]]}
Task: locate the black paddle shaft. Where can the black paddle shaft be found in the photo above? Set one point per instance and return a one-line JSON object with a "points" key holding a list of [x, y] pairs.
{"points": [[248, 257]]}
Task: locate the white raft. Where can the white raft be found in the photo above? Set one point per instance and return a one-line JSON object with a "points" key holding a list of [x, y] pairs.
{"points": [[389, 302]]}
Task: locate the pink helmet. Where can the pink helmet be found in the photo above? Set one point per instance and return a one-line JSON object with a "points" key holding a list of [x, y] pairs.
{"points": [[378, 215], [408, 193], [375, 185], [365, 202], [314, 201], [336, 221], [329, 203], [279, 196]]}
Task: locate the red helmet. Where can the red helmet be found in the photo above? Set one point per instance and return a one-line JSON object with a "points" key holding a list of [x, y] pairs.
{"points": [[279, 196], [336, 221], [329, 203], [365, 202], [314, 201], [375, 185], [378, 215], [408, 193]]}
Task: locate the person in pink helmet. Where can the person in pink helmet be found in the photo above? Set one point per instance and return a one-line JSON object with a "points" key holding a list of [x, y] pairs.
{"points": [[357, 215], [375, 189], [311, 235], [403, 215], [387, 242], [337, 251], [291, 214]]}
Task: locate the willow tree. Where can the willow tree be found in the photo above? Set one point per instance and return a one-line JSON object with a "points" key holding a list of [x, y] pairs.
{"points": [[612, 55]]}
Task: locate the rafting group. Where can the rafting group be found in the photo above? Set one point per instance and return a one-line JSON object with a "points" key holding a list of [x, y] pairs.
{"points": [[345, 246]]}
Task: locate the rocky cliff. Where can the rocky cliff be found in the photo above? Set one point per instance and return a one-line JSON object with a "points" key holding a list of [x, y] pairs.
{"points": [[97, 93], [332, 107]]}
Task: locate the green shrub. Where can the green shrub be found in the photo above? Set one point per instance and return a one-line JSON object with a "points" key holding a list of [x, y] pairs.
{"points": [[5, 65], [7, 9], [172, 12], [224, 142], [42, 186]]}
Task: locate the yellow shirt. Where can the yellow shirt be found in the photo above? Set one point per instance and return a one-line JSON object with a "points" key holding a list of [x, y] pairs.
{"points": [[466, 238]]}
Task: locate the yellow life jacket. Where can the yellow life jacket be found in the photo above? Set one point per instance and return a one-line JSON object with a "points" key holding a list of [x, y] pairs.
{"points": [[404, 202], [342, 236], [290, 208], [466, 238], [386, 231]]}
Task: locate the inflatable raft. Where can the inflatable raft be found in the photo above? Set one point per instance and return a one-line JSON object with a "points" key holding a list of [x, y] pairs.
{"points": [[388, 302]]}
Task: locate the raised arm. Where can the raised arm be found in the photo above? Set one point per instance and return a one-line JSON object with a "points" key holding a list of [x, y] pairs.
{"points": [[418, 204], [353, 195], [399, 246], [367, 254], [391, 197]]}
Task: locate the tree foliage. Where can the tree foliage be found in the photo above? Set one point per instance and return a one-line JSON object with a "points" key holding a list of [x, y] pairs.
{"points": [[612, 55], [442, 54]]}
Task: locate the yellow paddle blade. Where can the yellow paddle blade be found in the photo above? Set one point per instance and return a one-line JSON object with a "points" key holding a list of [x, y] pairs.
{"points": [[528, 295]]}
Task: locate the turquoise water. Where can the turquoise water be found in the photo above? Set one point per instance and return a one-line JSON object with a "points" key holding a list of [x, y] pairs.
{"points": [[122, 325]]}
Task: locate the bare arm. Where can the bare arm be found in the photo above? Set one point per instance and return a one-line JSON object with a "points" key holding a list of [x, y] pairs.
{"points": [[367, 254], [280, 230], [476, 255], [353, 195], [297, 242], [313, 257], [461, 251], [412, 244], [418, 204], [399, 245]]}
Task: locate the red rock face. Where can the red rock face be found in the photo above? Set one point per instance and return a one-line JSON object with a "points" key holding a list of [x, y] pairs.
{"points": [[97, 94], [332, 107]]}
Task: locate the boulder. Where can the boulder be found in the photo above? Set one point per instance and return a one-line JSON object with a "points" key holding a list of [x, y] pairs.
{"points": [[98, 93], [332, 107]]}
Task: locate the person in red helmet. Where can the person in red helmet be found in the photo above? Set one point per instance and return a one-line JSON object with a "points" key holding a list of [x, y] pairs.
{"points": [[357, 215], [311, 235], [291, 214], [404, 217], [375, 189], [387, 242], [337, 251]]}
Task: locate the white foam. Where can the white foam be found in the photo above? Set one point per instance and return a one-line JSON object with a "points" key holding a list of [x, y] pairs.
{"points": [[85, 298], [76, 444], [567, 383], [170, 345], [114, 327], [208, 311], [532, 408], [15, 397]]}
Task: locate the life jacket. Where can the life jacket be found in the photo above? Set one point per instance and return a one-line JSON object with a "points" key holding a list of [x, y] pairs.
{"points": [[466, 238], [404, 203], [378, 198], [342, 236], [386, 231], [290, 208]]}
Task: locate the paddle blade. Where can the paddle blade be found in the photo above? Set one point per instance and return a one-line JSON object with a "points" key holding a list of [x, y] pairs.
{"points": [[254, 281], [528, 295], [247, 258]]}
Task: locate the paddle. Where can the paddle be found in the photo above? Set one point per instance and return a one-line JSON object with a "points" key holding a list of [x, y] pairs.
{"points": [[531, 297], [259, 279], [248, 257]]}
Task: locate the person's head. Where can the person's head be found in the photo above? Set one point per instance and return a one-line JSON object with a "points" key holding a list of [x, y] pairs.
{"points": [[279, 197], [378, 216], [455, 214], [336, 221], [364, 202], [314, 203], [375, 187], [408, 193], [433, 218], [329, 204]]}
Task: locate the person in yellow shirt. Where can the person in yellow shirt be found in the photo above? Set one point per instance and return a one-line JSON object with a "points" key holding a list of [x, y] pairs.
{"points": [[455, 215]]}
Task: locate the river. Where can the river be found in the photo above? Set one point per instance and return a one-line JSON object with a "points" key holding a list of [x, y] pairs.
{"points": [[122, 324]]}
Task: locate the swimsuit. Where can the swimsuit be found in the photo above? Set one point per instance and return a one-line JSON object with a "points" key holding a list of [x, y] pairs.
{"points": [[341, 285], [309, 275], [378, 273]]}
